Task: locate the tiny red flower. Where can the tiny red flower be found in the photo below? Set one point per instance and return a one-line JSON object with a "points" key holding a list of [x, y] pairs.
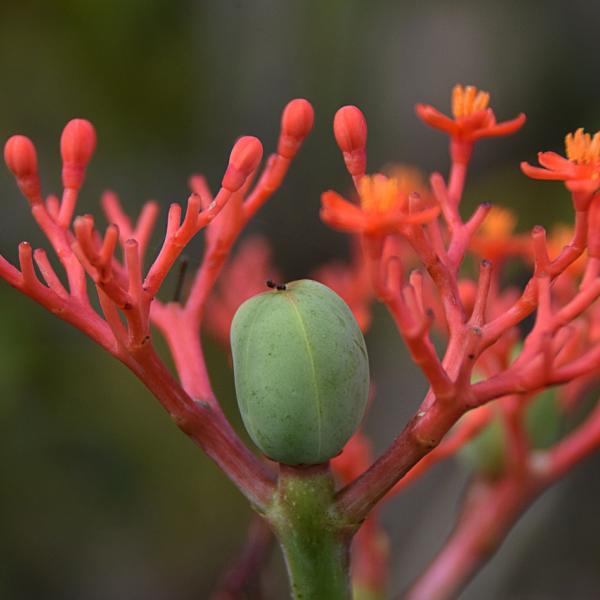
{"points": [[581, 163], [579, 169], [473, 120], [385, 205]]}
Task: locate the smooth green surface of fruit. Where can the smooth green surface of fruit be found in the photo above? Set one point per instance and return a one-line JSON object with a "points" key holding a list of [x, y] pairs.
{"points": [[301, 372]]}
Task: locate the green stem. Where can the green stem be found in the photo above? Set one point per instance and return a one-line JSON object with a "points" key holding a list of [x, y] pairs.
{"points": [[314, 540]]}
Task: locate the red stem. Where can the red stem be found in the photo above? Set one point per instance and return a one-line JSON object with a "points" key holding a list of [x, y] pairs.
{"points": [[186, 349], [207, 428], [420, 436], [527, 303], [458, 175], [492, 507], [488, 513]]}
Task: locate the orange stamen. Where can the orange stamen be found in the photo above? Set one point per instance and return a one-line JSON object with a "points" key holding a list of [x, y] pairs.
{"points": [[379, 194], [582, 148], [468, 100], [409, 179], [499, 223]]}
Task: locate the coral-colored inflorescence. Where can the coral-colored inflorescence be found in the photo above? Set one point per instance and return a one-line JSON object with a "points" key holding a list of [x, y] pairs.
{"points": [[473, 120], [412, 250], [384, 206], [579, 169]]}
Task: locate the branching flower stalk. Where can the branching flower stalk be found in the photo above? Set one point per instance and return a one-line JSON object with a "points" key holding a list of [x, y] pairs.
{"points": [[495, 393]]}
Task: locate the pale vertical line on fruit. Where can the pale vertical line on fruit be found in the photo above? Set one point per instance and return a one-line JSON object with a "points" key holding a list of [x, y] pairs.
{"points": [[313, 368]]}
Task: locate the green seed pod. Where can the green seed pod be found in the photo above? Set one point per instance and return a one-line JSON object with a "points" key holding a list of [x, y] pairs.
{"points": [[486, 453], [301, 372], [543, 421], [543, 424]]}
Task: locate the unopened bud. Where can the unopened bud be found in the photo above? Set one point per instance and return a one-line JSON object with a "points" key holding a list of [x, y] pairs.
{"points": [[243, 161], [21, 159], [77, 144], [296, 123], [350, 130]]}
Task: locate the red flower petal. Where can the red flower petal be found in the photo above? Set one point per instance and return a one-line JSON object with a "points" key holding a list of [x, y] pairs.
{"points": [[343, 221], [332, 200], [504, 128], [435, 118], [554, 161], [540, 173]]}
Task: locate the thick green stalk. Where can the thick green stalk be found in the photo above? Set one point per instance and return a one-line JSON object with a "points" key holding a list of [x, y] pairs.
{"points": [[314, 540]]}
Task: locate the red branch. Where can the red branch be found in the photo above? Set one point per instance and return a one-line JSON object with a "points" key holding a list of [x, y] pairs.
{"points": [[126, 295], [481, 361], [451, 392]]}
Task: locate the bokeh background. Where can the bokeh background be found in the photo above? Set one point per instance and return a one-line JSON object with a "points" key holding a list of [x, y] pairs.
{"points": [[100, 495]]}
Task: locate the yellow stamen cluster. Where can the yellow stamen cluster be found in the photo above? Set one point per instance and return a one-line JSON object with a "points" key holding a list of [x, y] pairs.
{"points": [[582, 148], [409, 179], [378, 193], [498, 224], [468, 100]]}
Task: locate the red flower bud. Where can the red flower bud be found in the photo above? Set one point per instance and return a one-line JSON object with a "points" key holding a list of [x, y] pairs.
{"points": [[77, 145], [296, 123], [21, 159], [350, 130], [243, 161]]}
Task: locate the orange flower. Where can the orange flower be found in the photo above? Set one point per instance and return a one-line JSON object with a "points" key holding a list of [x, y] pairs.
{"points": [[386, 203], [580, 169], [581, 163], [473, 119], [496, 239]]}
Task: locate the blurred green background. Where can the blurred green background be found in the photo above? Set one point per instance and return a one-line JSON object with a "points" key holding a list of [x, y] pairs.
{"points": [[100, 495]]}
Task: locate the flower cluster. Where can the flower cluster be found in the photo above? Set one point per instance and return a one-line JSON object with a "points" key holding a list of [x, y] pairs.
{"points": [[473, 120], [499, 394]]}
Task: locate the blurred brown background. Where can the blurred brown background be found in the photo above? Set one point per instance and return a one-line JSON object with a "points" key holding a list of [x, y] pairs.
{"points": [[100, 495]]}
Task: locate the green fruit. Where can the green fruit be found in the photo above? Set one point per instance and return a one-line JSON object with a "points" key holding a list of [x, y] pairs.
{"points": [[544, 419], [543, 422], [301, 372], [486, 452]]}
